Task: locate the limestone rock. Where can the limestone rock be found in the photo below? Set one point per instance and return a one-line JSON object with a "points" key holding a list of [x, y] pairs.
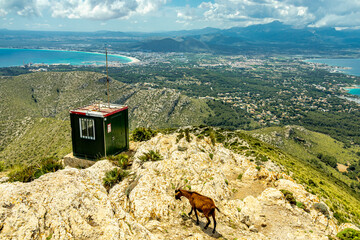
{"points": [[271, 196], [4, 179], [73, 203], [298, 190], [348, 225]]}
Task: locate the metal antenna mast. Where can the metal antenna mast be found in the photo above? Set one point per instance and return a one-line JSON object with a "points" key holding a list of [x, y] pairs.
{"points": [[107, 78]]}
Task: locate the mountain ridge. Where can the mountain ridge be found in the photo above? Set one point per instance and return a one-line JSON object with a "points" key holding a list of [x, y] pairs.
{"points": [[271, 38]]}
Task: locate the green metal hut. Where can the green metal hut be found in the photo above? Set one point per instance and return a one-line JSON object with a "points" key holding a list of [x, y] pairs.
{"points": [[99, 130]]}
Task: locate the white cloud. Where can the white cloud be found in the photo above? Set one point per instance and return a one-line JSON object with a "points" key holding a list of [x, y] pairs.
{"points": [[350, 20], [20, 7], [214, 13], [294, 12], [249, 11], [82, 9], [3, 13]]}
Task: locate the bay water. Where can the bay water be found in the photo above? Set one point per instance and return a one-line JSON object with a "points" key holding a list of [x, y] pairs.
{"points": [[352, 67], [18, 57]]}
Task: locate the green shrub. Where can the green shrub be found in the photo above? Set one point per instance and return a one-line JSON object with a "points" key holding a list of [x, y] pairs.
{"points": [[340, 217], [312, 183], [2, 166], [212, 137], [142, 134], [49, 237], [180, 136], [123, 160], [329, 160], [113, 177], [349, 234], [46, 166], [300, 205], [22, 174], [289, 196], [262, 158], [120, 160], [321, 207], [151, 156], [240, 176], [32, 172], [211, 155], [187, 135]]}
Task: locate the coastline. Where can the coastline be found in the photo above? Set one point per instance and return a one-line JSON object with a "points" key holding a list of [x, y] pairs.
{"points": [[352, 87], [132, 59], [349, 66]]}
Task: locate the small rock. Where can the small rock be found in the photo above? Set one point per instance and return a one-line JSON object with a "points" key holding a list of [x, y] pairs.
{"points": [[252, 228], [246, 220], [182, 148], [4, 179]]}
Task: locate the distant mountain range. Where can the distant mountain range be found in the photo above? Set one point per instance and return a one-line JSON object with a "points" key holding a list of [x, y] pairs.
{"points": [[274, 37]]}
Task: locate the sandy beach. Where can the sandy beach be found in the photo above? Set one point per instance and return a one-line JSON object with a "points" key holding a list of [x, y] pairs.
{"points": [[133, 60], [352, 87]]}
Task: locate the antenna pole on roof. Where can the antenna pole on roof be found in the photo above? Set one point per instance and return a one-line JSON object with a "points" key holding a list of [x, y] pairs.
{"points": [[107, 79]]}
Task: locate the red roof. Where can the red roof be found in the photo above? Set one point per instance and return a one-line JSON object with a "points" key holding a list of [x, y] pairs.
{"points": [[99, 110]]}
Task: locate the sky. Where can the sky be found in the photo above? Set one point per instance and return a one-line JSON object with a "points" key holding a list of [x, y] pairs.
{"points": [[171, 15]]}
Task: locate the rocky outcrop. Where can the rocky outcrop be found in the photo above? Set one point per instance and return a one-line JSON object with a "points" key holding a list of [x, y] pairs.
{"points": [[73, 203]]}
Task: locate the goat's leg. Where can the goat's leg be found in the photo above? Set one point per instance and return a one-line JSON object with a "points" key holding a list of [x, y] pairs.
{"points": [[191, 211], [213, 216], [207, 224], [197, 218]]}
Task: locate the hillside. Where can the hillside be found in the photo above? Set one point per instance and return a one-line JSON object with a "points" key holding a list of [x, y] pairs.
{"points": [[317, 149], [73, 203], [34, 110], [296, 140], [335, 189]]}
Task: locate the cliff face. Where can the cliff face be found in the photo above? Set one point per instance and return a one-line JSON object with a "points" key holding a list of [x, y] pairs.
{"points": [[73, 204]]}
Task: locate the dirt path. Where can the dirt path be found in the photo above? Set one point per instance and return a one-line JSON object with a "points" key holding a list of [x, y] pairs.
{"points": [[342, 167], [251, 188]]}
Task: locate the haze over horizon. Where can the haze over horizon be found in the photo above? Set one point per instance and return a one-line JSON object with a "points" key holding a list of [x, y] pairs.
{"points": [[172, 15]]}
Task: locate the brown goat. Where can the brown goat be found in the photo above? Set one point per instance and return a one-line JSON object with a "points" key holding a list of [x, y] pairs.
{"points": [[200, 203]]}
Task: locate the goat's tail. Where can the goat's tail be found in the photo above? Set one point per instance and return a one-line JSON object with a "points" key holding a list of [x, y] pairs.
{"points": [[217, 209]]}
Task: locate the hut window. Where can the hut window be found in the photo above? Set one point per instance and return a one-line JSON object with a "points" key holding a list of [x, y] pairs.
{"points": [[87, 127]]}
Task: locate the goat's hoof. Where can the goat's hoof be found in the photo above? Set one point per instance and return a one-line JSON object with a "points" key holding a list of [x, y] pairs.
{"points": [[205, 227], [213, 232], [197, 223]]}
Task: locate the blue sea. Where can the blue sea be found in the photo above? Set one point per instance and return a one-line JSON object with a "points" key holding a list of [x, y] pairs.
{"points": [[354, 91], [18, 57], [353, 64]]}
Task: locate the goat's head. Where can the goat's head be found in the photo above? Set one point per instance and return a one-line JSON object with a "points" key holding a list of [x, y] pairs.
{"points": [[178, 194]]}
